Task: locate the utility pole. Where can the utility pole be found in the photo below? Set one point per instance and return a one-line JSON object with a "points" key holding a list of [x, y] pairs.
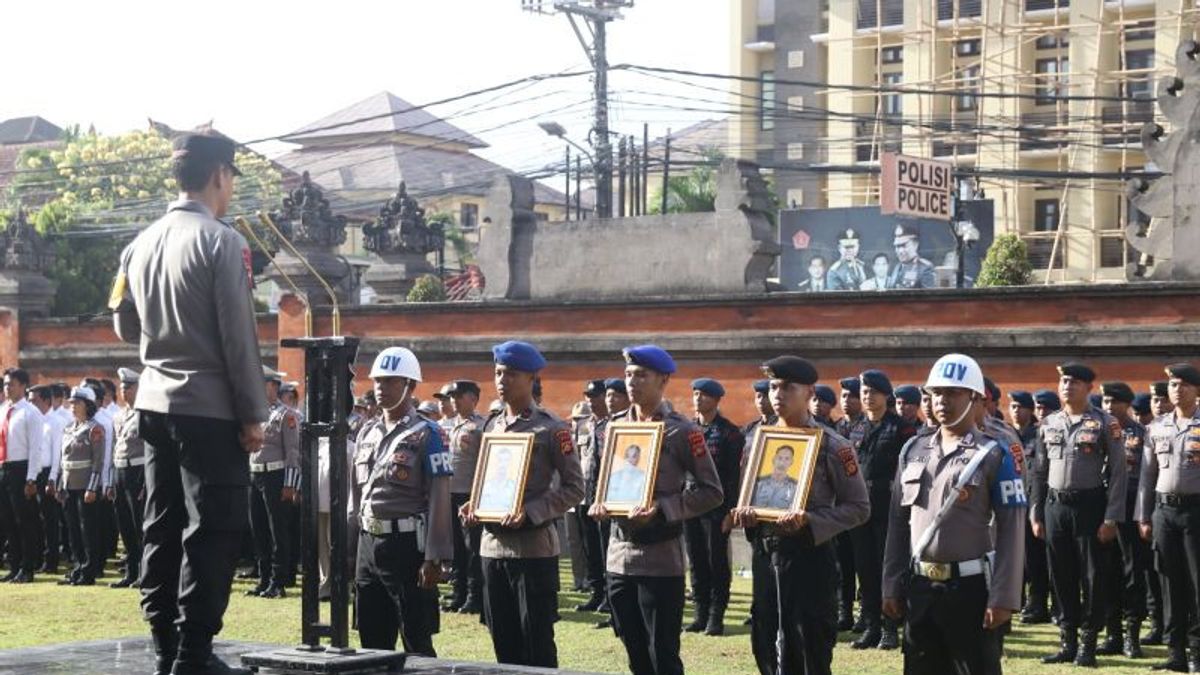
{"points": [[594, 15]]}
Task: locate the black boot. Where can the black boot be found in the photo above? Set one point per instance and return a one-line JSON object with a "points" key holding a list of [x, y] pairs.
{"points": [[859, 625], [1194, 660], [273, 591], [1155, 636], [1068, 647], [845, 618], [889, 639], [701, 621], [166, 645], [1086, 656], [258, 590], [196, 658], [473, 605], [869, 638], [716, 620], [1114, 640], [1176, 662], [592, 603], [1133, 644]]}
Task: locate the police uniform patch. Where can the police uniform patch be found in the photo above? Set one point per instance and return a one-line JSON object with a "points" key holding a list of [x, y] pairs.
{"points": [[1131, 441], [563, 437], [696, 441], [96, 434], [1114, 430], [291, 421], [118, 291], [400, 473], [964, 495], [1018, 455], [1091, 424], [849, 461], [247, 260]]}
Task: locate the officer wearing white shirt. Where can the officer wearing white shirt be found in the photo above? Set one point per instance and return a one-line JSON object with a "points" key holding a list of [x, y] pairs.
{"points": [[50, 510], [21, 430]]}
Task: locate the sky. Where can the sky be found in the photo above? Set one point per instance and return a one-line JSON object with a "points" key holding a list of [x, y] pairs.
{"points": [[260, 68]]}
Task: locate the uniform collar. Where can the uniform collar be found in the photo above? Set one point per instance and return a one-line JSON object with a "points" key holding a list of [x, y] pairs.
{"points": [[658, 415], [189, 205], [968, 441]]}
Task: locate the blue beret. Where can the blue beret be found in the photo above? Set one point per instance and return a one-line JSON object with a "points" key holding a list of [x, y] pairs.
{"points": [[877, 380], [909, 393], [1047, 399], [615, 384], [1141, 404], [594, 388], [1119, 391], [791, 369], [992, 390], [650, 356], [850, 384], [1021, 398], [825, 393], [709, 386], [762, 386], [1077, 371], [519, 356]]}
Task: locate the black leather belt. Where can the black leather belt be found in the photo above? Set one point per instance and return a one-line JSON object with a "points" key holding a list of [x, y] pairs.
{"points": [[1071, 497], [1176, 499]]}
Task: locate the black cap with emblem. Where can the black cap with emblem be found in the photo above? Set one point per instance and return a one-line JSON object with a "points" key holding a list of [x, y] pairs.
{"points": [[1185, 372], [205, 150], [1117, 391], [1158, 388], [791, 369], [1077, 371]]}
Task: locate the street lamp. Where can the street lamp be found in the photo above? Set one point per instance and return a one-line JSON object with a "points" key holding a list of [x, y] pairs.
{"points": [[559, 131]]}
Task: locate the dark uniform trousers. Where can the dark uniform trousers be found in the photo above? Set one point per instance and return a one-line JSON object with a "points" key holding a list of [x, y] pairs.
{"points": [[269, 521], [1037, 570], [944, 630], [389, 596], [708, 558], [593, 550], [868, 542], [197, 501], [19, 517], [84, 533], [520, 600], [468, 570], [1177, 541], [1077, 558], [131, 504], [52, 516], [844, 549], [648, 613], [1128, 561], [807, 583]]}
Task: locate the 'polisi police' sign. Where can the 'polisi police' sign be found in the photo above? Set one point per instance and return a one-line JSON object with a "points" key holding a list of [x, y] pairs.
{"points": [[916, 187]]}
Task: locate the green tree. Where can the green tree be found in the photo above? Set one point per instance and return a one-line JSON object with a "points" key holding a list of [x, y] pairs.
{"points": [[1007, 263], [427, 288], [454, 236]]}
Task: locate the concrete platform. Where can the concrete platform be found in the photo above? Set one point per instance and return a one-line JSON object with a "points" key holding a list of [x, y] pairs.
{"points": [[135, 656]]}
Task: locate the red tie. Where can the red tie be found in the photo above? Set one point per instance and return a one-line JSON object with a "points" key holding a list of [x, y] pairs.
{"points": [[4, 434]]}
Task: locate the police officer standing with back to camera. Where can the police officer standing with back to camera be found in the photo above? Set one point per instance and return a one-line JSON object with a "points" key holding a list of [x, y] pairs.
{"points": [[467, 597], [707, 535], [401, 497], [795, 567], [129, 459], [1168, 513], [645, 553], [183, 292], [274, 481], [944, 574], [1078, 499], [520, 554]]}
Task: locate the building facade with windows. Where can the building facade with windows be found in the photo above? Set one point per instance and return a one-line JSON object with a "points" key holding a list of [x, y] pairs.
{"points": [[1046, 98]]}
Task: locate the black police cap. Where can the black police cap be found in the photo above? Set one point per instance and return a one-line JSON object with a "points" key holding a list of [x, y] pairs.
{"points": [[594, 388], [1118, 391], [206, 149], [876, 380], [762, 386], [1022, 398], [992, 390], [1141, 404], [463, 387], [1185, 372], [791, 369], [850, 384], [1077, 371], [1159, 388]]}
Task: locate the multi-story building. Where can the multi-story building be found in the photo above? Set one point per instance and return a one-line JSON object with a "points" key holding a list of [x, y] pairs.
{"points": [[1046, 98]]}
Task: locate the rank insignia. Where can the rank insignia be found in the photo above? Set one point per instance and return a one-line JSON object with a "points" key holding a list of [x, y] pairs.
{"points": [[697, 443], [849, 461], [563, 437], [1018, 454]]}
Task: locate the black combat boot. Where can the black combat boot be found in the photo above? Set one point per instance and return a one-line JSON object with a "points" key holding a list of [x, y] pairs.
{"points": [[592, 604], [889, 639], [700, 624], [1133, 643], [166, 645], [1068, 647], [1176, 662], [1086, 656], [1114, 640], [845, 618], [1155, 636], [716, 620], [870, 637], [196, 658]]}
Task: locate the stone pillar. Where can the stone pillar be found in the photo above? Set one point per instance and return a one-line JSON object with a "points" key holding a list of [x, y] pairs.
{"points": [[403, 241]]}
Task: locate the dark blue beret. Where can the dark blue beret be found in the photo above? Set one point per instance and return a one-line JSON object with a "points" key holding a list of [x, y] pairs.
{"points": [[850, 384], [1141, 404], [1077, 371], [992, 390], [615, 384], [464, 387], [519, 356], [908, 393], [762, 386], [1186, 372], [1022, 398], [1047, 399], [1095, 400], [825, 393], [1159, 388], [594, 388], [1119, 391], [791, 369], [877, 380], [709, 386], [650, 356]]}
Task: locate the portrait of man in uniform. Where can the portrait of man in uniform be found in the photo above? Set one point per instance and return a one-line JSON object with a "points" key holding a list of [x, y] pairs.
{"points": [[912, 271], [848, 273], [629, 464], [779, 471], [628, 481], [815, 282], [500, 478], [777, 489]]}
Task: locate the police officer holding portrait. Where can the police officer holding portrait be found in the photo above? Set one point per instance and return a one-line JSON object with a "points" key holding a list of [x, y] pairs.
{"points": [[953, 583], [795, 567], [401, 497], [520, 553]]}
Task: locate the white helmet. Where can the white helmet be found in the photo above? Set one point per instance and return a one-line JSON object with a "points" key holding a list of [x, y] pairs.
{"points": [[396, 362], [956, 370]]}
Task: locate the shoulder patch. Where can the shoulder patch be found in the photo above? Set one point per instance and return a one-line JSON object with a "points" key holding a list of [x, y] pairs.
{"points": [[248, 261], [849, 460], [696, 442], [96, 434], [1114, 429], [563, 438], [1018, 455], [291, 420]]}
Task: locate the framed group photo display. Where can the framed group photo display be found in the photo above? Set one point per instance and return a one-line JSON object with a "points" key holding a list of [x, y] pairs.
{"points": [[500, 474], [629, 465], [779, 471]]}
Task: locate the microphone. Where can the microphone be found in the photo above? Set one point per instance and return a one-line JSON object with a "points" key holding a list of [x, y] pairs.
{"points": [[246, 229], [337, 314]]}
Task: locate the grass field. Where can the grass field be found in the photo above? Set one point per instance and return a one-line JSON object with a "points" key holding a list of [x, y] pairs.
{"points": [[43, 613]]}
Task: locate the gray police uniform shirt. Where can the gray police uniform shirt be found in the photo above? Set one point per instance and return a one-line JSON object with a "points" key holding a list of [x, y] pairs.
{"points": [[916, 274], [128, 449], [464, 452], [82, 456], [838, 499], [1171, 461], [404, 472], [1081, 455], [774, 493], [183, 294], [846, 276], [1133, 442], [553, 454], [281, 443], [924, 479], [684, 452]]}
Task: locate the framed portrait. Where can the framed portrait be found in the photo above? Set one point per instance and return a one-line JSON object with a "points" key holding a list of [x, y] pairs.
{"points": [[779, 471], [503, 465], [629, 465]]}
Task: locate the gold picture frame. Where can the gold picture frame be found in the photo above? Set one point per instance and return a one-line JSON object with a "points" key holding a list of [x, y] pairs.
{"points": [[499, 487], [624, 483], [776, 488]]}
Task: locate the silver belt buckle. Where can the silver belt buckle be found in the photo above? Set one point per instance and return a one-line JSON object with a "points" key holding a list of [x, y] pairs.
{"points": [[935, 571], [375, 526]]}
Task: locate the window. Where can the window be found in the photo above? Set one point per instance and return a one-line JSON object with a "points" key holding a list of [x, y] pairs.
{"points": [[968, 81], [1045, 215], [891, 54], [766, 107], [541, 216], [891, 103], [1051, 41], [1142, 30], [967, 47], [1051, 79], [1139, 85], [468, 216]]}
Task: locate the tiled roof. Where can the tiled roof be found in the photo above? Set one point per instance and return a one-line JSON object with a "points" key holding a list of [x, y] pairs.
{"points": [[28, 130], [383, 113]]}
